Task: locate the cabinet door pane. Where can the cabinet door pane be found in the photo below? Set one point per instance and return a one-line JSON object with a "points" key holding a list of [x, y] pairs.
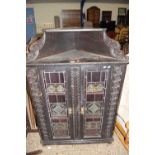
{"points": [[94, 94], [57, 101]]}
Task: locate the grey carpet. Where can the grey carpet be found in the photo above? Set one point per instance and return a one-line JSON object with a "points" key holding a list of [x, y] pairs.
{"points": [[116, 148]]}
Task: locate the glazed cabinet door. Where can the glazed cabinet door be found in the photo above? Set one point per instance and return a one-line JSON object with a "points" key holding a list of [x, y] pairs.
{"points": [[55, 83], [93, 99]]}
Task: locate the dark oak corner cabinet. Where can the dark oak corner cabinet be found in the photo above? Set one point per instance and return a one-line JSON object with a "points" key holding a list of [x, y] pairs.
{"points": [[75, 77]]}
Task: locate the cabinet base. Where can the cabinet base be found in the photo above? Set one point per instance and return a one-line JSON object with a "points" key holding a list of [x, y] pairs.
{"points": [[85, 141]]}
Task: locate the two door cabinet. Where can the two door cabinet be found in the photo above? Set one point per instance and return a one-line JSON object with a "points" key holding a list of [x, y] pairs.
{"points": [[75, 79]]}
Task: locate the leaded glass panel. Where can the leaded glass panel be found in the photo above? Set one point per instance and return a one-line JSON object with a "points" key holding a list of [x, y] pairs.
{"points": [[95, 93], [55, 84]]}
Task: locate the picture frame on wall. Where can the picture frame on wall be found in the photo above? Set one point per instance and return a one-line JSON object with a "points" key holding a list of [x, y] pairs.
{"points": [[122, 11]]}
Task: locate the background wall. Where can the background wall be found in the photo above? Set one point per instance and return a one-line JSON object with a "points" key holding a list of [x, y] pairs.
{"points": [[45, 12]]}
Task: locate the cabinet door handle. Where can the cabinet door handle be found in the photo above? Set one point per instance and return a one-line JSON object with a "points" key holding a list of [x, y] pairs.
{"points": [[82, 110], [69, 111]]}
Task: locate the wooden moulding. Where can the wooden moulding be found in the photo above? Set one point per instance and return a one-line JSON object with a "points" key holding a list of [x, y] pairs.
{"points": [[123, 135], [31, 116]]}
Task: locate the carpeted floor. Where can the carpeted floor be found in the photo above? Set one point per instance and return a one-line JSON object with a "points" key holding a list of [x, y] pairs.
{"points": [[116, 148]]}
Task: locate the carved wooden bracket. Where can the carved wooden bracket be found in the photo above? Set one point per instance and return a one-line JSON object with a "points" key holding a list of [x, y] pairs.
{"points": [[34, 47]]}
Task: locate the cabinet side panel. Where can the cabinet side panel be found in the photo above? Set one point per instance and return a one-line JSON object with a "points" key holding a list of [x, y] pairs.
{"points": [[37, 99], [117, 78]]}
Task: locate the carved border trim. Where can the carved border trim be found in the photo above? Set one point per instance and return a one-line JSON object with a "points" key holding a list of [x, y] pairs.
{"points": [[117, 77], [75, 89], [33, 81]]}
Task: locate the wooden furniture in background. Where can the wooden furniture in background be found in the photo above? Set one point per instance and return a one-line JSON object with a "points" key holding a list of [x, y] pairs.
{"points": [[122, 134], [122, 35], [121, 20], [123, 16], [70, 18], [124, 32], [127, 133], [106, 15], [57, 21], [30, 123], [125, 47], [30, 115], [93, 15]]}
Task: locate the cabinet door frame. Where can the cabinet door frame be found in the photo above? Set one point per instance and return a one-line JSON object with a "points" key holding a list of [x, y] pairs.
{"points": [[99, 68], [64, 69]]}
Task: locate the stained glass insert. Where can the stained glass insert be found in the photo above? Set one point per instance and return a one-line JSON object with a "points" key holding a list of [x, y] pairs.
{"points": [[95, 76], [91, 88], [55, 88], [55, 83], [61, 98], [89, 76], [99, 87], [95, 95], [103, 76], [47, 78], [54, 77], [60, 129], [58, 109], [92, 127], [90, 97], [52, 98], [60, 88], [93, 108], [60, 133], [61, 78], [51, 89], [98, 97]]}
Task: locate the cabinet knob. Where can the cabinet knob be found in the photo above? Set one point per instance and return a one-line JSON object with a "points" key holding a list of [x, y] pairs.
{"points": [[82, 110]]}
